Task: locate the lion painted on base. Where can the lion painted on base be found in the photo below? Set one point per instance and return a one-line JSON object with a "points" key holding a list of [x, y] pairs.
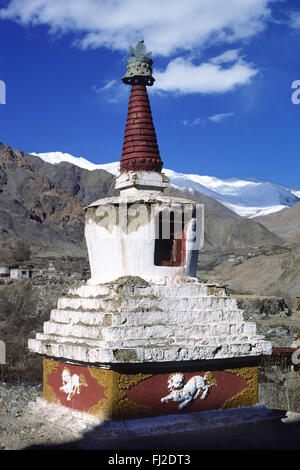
{"points": [[71, 383], [188, 392]]}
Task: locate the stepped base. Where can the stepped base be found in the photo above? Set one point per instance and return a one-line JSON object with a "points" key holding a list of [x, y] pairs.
{"points": [[131, 321], [131, 349]]}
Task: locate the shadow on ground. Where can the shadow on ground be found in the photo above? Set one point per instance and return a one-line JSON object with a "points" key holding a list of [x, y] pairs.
{"points": [[266, 435]]}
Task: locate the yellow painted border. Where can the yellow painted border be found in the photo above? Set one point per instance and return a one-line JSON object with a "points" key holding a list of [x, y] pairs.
{"points": [[116, 405], [248, 396], [48, 367]]}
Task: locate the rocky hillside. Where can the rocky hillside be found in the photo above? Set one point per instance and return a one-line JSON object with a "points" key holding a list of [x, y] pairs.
{"points": [[274, 271], [285, 224], [34, 209], [87, 186]]}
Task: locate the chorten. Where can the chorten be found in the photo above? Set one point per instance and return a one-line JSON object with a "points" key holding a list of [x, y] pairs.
{"points": [[144, 336]]}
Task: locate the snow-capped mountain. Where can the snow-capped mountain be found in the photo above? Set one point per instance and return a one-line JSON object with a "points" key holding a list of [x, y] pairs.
{"points": [[295, 190], [244, 197], [58, 157], [248, 198]]}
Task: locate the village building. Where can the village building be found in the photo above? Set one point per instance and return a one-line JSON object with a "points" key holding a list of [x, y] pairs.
{"points": [[17, 271], [144, 336], [4, 271], [21, 272]]}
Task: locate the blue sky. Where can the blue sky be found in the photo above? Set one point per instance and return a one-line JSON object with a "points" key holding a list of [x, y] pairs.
{"points": [[221, 102]]}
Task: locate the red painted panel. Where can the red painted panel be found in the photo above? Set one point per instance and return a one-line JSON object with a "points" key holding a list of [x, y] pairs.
{"points": [[90, 392], [150, 391]]}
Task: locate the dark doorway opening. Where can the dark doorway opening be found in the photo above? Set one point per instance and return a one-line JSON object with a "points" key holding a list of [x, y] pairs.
{"points": [[169, 240]]}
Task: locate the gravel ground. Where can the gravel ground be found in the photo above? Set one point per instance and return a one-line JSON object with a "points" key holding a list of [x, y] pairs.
{"points": [[33, 427], [20, 429], [14, 398]]}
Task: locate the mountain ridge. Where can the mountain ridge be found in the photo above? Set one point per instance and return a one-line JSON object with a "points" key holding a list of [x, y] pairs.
{"points": [[43, 204], [246, 197], [34, 209], [285, 223]]}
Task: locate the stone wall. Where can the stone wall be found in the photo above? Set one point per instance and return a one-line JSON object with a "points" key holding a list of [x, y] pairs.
{"points": [[279, 381], [272, 316], [257, 307]]}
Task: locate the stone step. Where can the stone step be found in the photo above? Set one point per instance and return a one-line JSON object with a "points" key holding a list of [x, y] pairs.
{"points": [[158, 342], [144, 318], [152, 333], [177, 332], [72, 340], [191, 290], [81, 317], [179, 342], [80, 352], [137, 304], [78, 331], [71, 350], [100, 344]]}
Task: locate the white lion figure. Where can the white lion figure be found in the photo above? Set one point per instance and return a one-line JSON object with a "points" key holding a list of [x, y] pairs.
{"points": [[180, 391], [71, 383]]}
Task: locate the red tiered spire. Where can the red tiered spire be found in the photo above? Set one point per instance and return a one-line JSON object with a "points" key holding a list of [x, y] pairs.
{"points": [[140, 149]]}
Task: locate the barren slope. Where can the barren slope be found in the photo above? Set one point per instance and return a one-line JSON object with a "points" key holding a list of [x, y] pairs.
{"points": [[285, 224], [32, 208], [273, 271]]}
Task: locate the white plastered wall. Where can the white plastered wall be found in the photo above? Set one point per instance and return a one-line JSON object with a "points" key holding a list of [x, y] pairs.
{"points": [[114, 253]]}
